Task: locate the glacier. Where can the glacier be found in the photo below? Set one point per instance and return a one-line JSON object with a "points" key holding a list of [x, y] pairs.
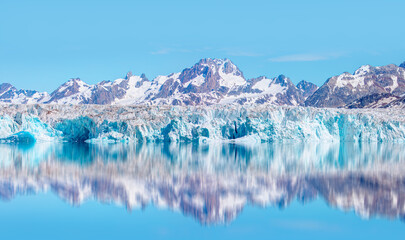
{"points": [[224, 123]]}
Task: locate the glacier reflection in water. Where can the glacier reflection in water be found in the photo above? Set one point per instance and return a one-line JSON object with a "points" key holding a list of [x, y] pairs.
{"points": [[211, 182]]}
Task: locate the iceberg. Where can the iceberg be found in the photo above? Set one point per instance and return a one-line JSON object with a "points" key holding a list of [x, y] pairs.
{"points": [[20, 137], [223, 123]]}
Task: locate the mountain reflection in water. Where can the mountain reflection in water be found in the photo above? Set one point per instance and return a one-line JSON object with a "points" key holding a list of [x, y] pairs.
{"points": [[211, 183]]}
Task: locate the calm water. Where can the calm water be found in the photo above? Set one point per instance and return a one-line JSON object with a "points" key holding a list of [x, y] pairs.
{"points": [[199, 191]]}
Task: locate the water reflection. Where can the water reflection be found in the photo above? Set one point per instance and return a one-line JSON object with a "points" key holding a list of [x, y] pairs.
{"points": [[211, 182]]}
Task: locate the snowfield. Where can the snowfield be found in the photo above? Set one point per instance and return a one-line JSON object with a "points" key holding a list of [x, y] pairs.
{"points": [[224, 123]]}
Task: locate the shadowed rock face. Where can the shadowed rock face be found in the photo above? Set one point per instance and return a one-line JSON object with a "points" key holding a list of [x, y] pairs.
{"points": [[402, 65], [5, 87], [307, 88], [103, 96], [208, 69], [341, 90], [376, 100], [291, 95], [399, 103]]}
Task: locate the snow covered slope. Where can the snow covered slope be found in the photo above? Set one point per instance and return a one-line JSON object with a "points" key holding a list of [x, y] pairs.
{"points": [[224, 123], [277, 91]]}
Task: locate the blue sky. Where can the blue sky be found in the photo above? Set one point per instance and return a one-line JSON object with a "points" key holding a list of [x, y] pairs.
{"points": [[44, 43]]}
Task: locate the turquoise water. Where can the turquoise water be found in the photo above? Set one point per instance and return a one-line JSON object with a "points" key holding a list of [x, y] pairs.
{"points": [[220, 191]]}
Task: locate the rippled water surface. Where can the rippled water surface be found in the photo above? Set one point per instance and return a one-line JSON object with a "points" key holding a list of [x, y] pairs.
{"points": [[183, 191]]}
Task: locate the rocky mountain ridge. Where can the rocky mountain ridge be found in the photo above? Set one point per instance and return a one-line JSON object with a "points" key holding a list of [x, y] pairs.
{"points": [[208, 82], [219, 81]]}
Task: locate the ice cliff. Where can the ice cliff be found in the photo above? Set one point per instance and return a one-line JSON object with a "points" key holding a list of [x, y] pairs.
{"points": [[257, 123]]}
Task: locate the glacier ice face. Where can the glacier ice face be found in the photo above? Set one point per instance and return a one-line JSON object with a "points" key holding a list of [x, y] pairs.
{"points": [[259, 123], [20, 137], [26, 127]]}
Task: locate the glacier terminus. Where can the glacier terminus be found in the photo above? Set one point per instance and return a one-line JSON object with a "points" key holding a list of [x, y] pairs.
{"points": [[225, 123]]}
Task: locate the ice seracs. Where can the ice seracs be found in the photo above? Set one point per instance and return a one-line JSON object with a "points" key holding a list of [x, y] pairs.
{"points": [[222, 123]]}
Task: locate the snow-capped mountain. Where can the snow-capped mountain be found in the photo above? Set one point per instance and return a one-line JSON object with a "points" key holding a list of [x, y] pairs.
{"points": [[9, 94], [343, 89], [219, 81], [74, 91], [208, 82]]}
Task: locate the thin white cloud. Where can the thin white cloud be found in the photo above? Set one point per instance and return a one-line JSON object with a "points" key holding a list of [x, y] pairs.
{"points": [[304, 57], [161, 51]]}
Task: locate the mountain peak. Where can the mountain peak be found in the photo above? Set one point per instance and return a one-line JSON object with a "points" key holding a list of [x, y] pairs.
{"points": [[402, 65], [75, 80], [282, 80], [307, 88], [129, 74], [69, 88], [216, 61], [143, 77], [5, 87], [218, 64], [363, 70]]}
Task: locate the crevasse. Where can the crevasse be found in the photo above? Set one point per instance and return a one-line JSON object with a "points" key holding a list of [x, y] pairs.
{"points": [[265, 123]]}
